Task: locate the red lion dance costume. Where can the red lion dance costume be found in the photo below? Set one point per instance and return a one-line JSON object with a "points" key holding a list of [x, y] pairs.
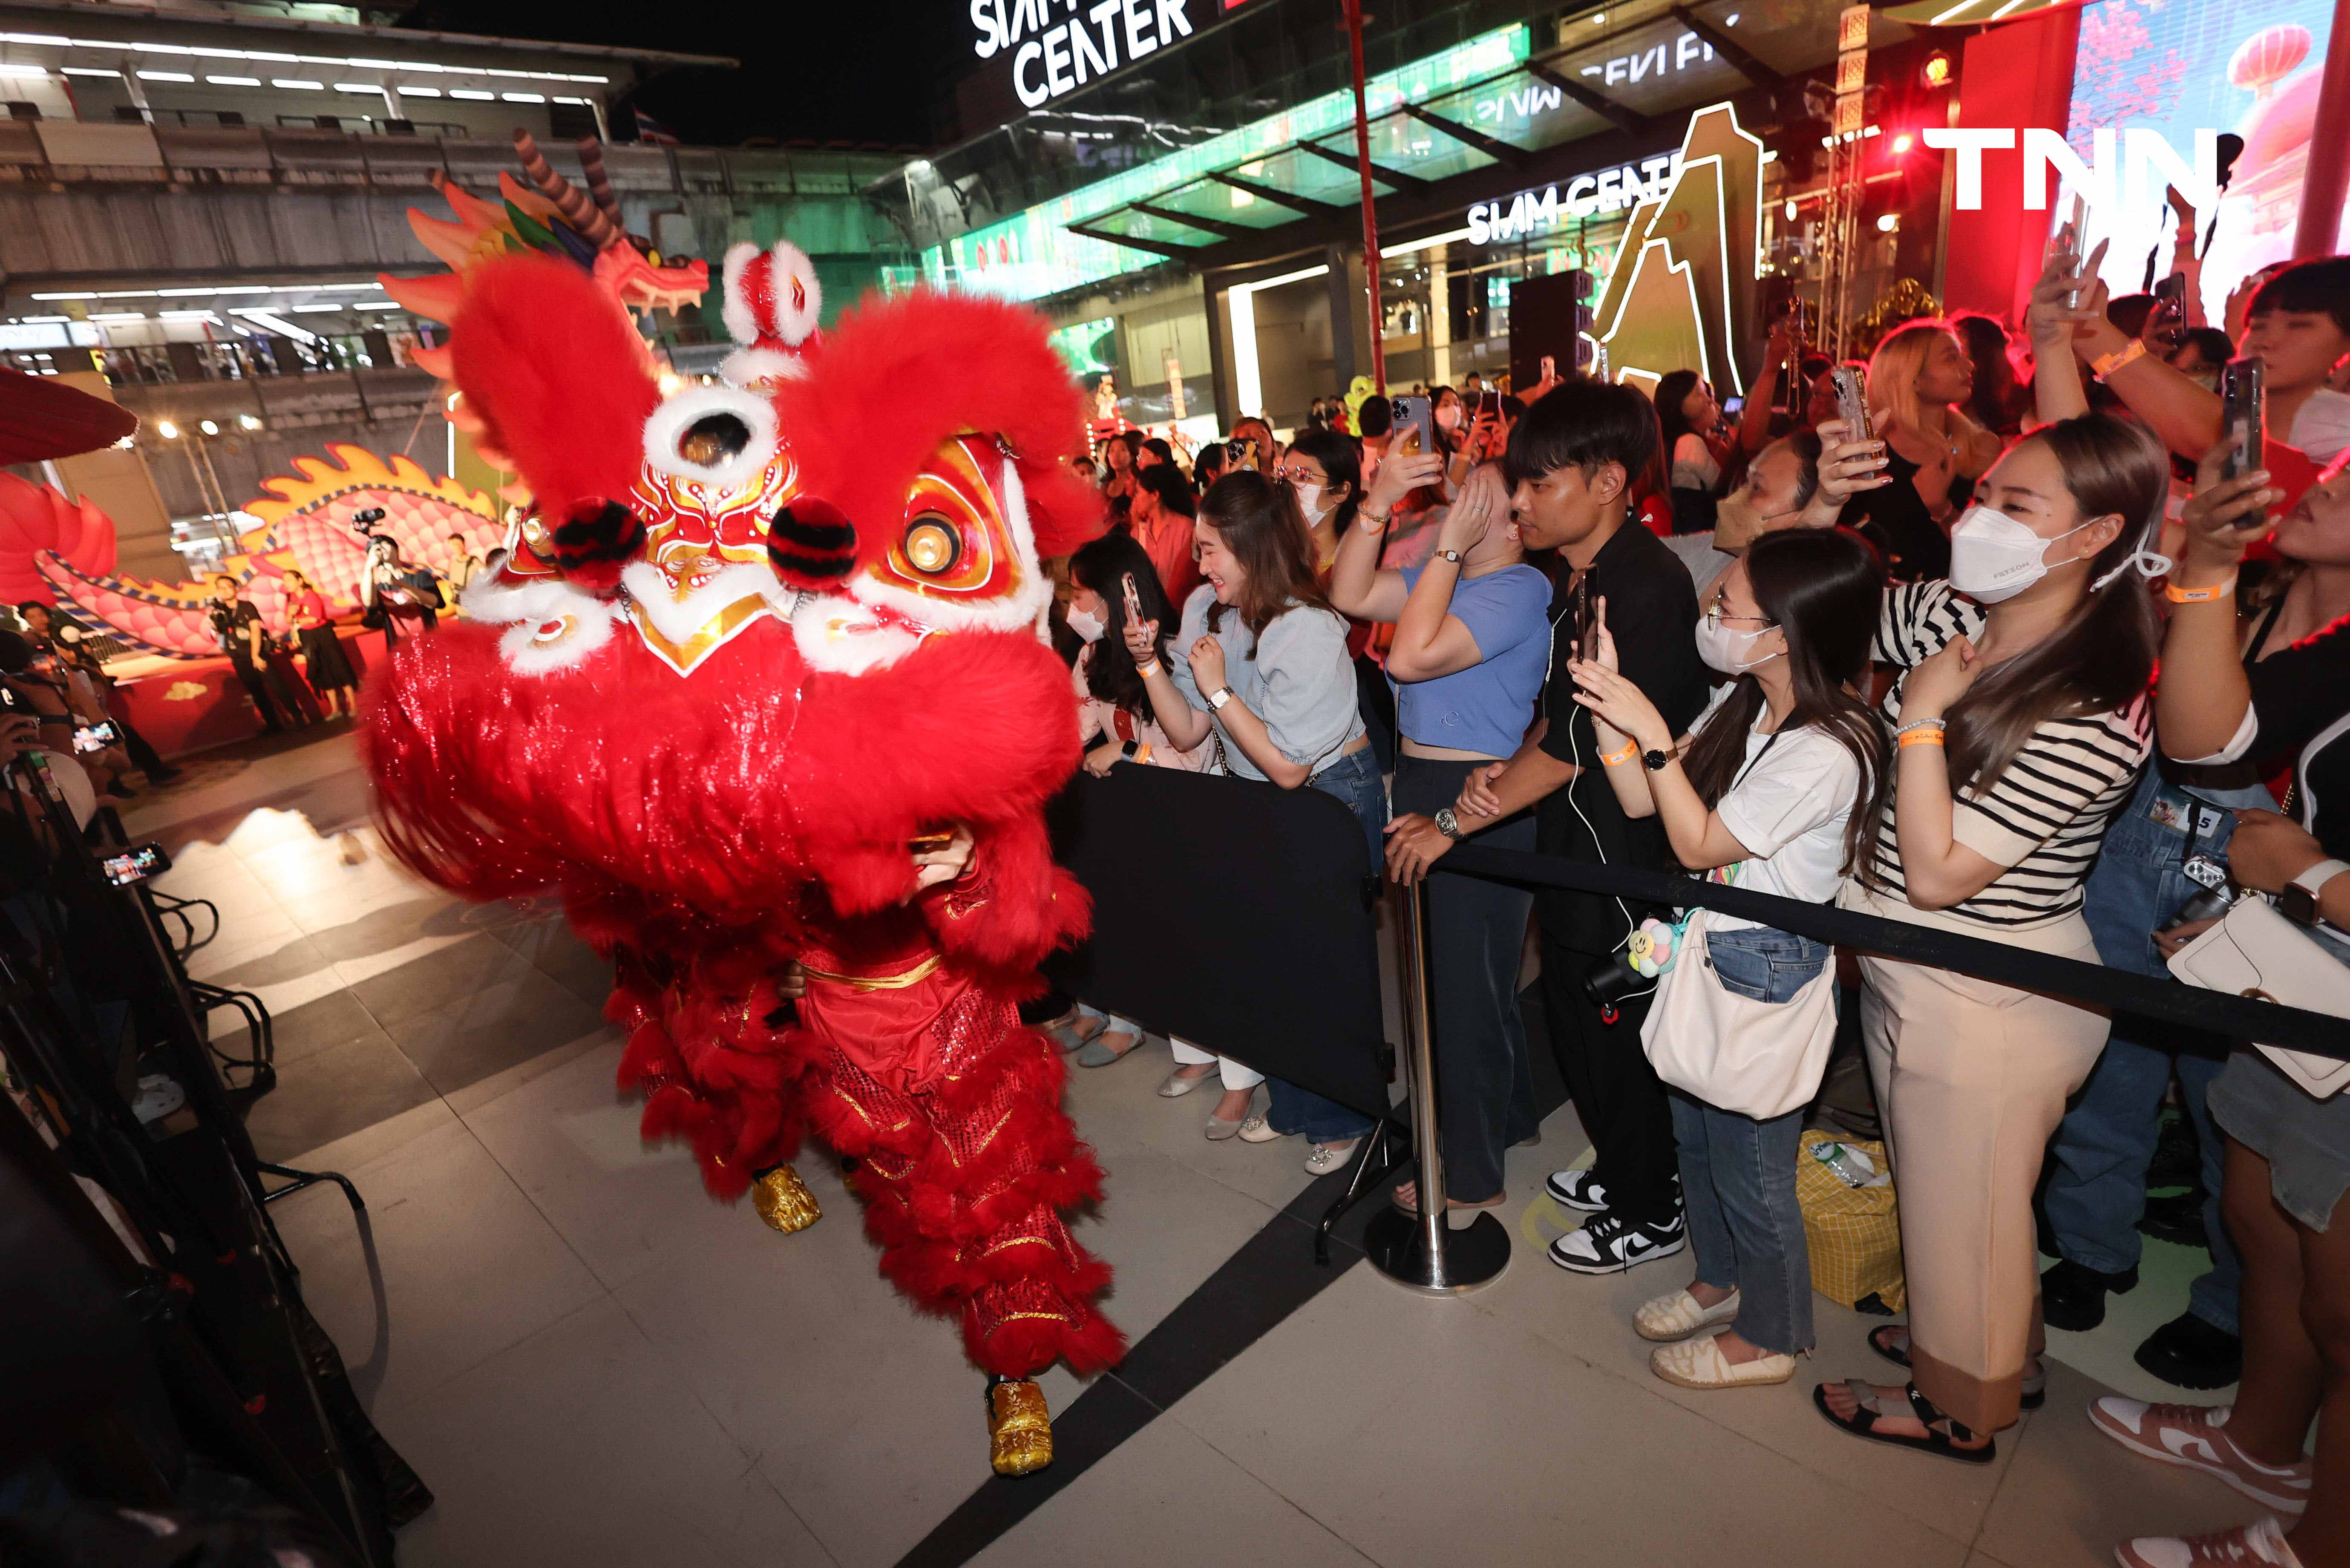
{"points": [[752, 650]]}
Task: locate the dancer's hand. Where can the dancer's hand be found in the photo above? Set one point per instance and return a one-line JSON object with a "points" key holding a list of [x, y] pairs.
{"points": [[946, 862]]}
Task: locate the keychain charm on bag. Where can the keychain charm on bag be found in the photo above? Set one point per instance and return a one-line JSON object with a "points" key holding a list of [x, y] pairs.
{"points": [[1652, 948]]}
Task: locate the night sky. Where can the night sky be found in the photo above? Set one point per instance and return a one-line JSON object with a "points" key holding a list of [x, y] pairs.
{"points": [[813, 70]]}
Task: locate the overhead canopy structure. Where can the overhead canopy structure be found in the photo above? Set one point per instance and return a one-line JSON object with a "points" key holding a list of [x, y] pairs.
{"points": [[1488, 103]]}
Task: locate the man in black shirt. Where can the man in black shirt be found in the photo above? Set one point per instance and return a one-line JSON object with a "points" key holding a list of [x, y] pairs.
{"points": [[238, 626], [1572, 458]]}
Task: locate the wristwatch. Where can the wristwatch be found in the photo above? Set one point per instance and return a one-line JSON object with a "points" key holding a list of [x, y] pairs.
{"points": [[1219, 697], [2297, 901], [1451, 555], [1447, 823], [1654, 761]]}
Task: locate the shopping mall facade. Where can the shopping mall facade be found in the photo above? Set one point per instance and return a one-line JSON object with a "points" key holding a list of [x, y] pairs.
{"points": [[1174, 181]]}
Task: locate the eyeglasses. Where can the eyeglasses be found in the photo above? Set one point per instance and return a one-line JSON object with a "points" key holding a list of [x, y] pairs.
{"points": [[1716, 615]]}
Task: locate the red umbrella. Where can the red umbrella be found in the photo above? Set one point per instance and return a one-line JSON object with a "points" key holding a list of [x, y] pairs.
{"points": [[41, 418]]}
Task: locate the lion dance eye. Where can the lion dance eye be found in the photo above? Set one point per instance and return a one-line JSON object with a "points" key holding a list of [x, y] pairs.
{"points": [[932, 546]]}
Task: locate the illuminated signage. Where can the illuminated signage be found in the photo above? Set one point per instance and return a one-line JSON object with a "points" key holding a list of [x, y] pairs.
{"points": [[1677, 53], [1057, 46], [1608, 191]]}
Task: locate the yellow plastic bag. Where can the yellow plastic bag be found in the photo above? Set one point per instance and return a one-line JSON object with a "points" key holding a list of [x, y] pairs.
{"points": [[1853, 1232]]}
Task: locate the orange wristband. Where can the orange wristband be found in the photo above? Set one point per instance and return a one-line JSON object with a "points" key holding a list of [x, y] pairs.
{"points": [[1921, 738], [2179, 596], [1142, 753], [1626, 755]]}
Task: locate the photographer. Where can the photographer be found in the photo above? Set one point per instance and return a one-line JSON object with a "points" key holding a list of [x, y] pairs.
{"points": [[1573, 460], [237, 626], [49, 728], [1471, 650], [401, 601], [2287, 1152]]}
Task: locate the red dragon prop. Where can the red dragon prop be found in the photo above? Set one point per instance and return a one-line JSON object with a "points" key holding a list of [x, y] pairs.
{"points": [[751, 649]]}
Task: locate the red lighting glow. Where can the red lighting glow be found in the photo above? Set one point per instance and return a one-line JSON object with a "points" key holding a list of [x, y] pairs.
{"points": [[1900, 144]]}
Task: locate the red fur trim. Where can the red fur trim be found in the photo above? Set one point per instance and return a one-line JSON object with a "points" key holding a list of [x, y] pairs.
{"points": [[895, 377], [1025, 1346], [552, 364], [1013, 905], [877, 781]]}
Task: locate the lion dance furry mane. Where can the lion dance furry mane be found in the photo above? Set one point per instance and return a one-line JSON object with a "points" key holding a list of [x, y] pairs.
{"points": [[749, 644]]}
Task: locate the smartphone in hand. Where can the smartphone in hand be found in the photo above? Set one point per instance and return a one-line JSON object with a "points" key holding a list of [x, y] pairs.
{"points": [[1852, 402], [1134, 615], [2241, 416], [1415, 427]]}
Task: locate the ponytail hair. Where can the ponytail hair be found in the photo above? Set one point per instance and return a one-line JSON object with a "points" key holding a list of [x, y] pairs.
{"points": [[2103, 657]]}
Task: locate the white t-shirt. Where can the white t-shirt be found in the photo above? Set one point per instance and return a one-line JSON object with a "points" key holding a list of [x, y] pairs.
{"points": [[1792, 798], [2321, 430]]}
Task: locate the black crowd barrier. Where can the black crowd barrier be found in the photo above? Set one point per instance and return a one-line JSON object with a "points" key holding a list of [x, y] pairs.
{"points": [[2171, 1001], [1234, 913], [1237, 915]]}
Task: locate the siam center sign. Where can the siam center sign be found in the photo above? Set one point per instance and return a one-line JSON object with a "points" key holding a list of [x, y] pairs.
{"points": [[1615, 190], [1055, 46]]}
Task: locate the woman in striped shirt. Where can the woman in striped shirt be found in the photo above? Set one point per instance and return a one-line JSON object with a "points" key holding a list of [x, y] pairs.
{"points": [[2022, 722]]}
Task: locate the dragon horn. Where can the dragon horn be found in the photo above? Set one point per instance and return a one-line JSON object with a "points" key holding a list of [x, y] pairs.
{"points": [[580, 212], [599, 184]]}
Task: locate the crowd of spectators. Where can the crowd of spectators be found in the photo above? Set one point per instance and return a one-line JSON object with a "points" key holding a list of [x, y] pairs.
{"points": [[1911, 670]]}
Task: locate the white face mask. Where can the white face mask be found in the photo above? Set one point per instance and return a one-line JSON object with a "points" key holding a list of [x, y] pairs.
{"points": [[1724, 648], [1448, 417], [1995, 557], [1309, 500], [1087, 624]]}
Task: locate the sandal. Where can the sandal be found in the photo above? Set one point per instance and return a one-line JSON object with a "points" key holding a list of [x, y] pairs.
{"points": [[1069, 1031], [1880, 1340], [1869, 1410], [1458, 1215]]}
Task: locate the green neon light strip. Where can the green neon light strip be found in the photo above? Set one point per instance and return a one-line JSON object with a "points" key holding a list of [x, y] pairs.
{"points": [[1031, 253]]}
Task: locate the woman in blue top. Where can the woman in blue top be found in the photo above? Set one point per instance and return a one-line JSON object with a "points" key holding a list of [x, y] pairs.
{"points": [[1470, 652], [1265, 664]]}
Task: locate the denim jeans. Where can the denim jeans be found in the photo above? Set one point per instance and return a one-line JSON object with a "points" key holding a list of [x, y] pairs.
{"points": [[2098, 1158], [1738, 1183], [1355, 780], [1763, 964]]}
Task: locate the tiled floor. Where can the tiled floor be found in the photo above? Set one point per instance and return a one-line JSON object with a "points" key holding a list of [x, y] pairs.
{"points": [[594, 1366]]}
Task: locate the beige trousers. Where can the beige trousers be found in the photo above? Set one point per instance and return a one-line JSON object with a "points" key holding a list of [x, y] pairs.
{"points": [[1972, 1078]]}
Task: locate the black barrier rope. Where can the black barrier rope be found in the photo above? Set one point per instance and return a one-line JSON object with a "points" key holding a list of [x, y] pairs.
{"points": [[2238, 1017]]}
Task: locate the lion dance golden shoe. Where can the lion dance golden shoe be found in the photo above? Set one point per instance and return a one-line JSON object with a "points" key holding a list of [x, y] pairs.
{"points": [[784, 1201], [1019, 1428]]}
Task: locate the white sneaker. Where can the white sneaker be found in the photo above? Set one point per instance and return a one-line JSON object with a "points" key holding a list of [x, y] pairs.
{"points": [[158, 1098], [1611, 1244], [1680, 1315], [1574, 1189]]}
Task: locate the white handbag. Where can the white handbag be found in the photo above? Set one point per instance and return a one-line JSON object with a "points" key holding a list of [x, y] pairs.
{"points": [[2255, 951], [1761, 1059]]}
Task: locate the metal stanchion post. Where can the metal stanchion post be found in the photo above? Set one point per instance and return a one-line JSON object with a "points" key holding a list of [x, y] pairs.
{"points": [[1424, 1253]]}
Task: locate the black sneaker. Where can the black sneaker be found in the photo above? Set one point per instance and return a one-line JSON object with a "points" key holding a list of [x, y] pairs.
{"points": [[1576, 1190], [2072, 1295], [2192, 1354], [1611, 1244]]}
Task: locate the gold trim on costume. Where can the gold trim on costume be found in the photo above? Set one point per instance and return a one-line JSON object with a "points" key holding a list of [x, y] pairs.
{"points": [[914, 976]]}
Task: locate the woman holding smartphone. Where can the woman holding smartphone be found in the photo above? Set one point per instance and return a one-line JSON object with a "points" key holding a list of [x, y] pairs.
{"points": [[1470, 652], [2022, 723], [1264, 666], [1112, 586]]}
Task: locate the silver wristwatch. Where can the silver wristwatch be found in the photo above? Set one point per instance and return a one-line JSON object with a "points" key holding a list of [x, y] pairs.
{"points": [[1219, 697], [1447, 823]]}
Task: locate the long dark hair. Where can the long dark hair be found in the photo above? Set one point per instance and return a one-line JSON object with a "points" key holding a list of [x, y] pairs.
{"points": [[1260, 523], [1342, 463], [1103, 566], [1993, 405], [1822, 588], [2102, 657], [1672, 391]]}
